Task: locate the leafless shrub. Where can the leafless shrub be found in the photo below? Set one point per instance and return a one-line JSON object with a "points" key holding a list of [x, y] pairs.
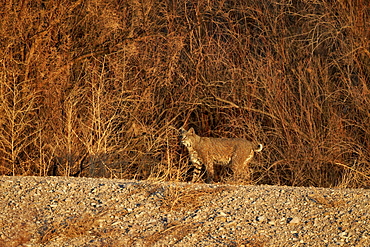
{"points": [[103, 85]]}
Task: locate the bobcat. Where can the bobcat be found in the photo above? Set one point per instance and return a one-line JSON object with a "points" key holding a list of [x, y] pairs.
{"points": [[235, 152]]}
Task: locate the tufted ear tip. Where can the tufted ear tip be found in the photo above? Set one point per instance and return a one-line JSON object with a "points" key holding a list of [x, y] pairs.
{"points": [[259, 148]]}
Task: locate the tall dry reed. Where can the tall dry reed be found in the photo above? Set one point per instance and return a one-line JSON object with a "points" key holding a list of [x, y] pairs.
{"points": [[99, 88]]}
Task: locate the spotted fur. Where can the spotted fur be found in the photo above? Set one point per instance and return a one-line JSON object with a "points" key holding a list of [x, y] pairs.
{"points": [[233, 152]]}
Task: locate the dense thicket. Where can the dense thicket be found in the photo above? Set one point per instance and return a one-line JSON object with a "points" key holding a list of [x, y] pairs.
{"points": [[99, 88]]}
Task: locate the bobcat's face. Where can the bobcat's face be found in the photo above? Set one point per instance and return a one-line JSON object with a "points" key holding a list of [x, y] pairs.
{"points": [[187, 138]]}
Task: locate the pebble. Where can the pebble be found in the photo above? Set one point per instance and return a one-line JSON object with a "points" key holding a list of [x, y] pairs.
{"points": [[294, 220], [261, 218]]}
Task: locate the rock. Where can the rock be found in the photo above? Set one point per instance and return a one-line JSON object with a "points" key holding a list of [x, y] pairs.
{"points": [[261, 218], [294, 220]]}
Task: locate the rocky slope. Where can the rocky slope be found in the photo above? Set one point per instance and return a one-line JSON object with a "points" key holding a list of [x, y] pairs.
{"points": [[60, 211]]}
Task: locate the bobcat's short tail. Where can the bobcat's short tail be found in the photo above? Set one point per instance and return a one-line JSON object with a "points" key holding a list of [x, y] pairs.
{"points": [[259, 149]]}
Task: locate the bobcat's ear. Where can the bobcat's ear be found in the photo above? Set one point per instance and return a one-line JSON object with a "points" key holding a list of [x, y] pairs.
{"points": [[191, 131], [182, 130]]}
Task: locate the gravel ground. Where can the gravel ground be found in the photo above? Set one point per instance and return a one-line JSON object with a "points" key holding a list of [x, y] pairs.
{"points": [[60, 211]]}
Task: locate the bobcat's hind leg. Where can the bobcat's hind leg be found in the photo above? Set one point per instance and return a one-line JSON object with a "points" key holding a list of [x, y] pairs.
{"points": [[241, 169], [242, 176]]}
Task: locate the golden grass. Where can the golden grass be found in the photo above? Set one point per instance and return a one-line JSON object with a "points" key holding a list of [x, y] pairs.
{"points": [[99, 88]]}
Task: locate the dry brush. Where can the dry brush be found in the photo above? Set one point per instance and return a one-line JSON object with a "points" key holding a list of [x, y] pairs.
{"points": [[100, 88]]}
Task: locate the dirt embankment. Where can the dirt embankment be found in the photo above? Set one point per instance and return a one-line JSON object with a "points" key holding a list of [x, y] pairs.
{"points": [[60, 211]]}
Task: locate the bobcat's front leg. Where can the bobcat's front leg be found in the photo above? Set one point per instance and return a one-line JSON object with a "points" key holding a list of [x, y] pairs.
{"points": [[197, 171], [210, 170]]}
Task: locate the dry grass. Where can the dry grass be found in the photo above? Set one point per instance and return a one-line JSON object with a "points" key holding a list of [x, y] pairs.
{"points": [[69, 228], [99, 88], [329, 201], [183, 198], [175, 230], [18, 239]]}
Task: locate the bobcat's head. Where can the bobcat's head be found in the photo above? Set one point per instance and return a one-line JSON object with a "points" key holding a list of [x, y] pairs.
{"points": [[188, 138]]}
